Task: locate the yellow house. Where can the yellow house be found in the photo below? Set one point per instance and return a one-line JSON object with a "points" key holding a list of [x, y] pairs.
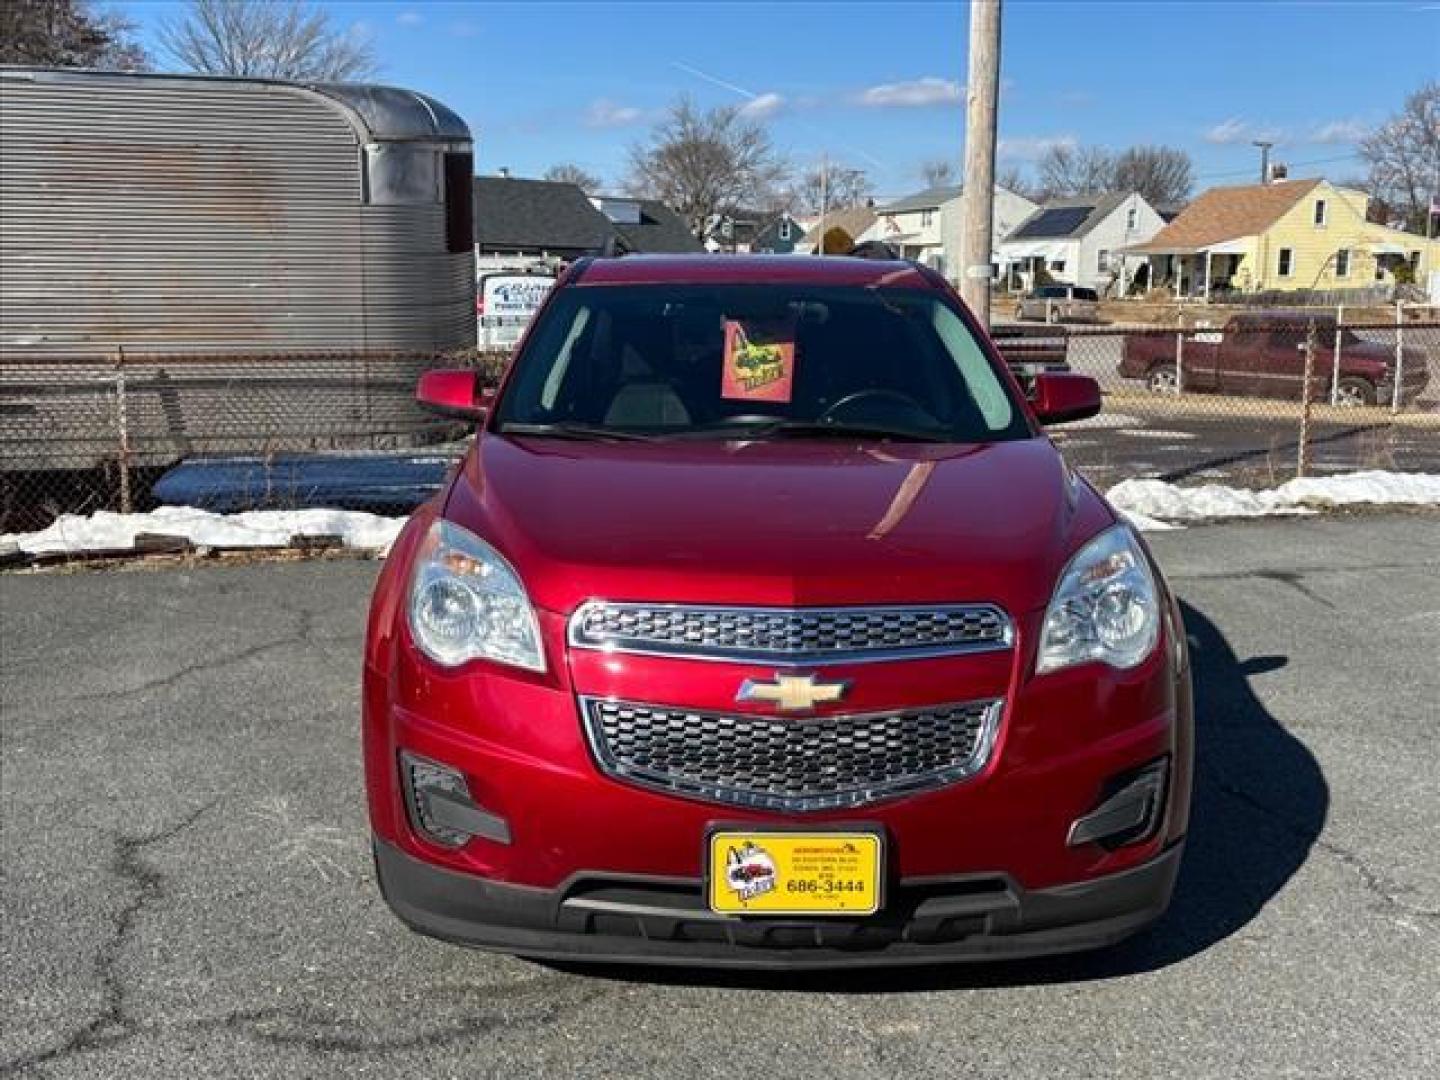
{"points": [[1283, 236]]}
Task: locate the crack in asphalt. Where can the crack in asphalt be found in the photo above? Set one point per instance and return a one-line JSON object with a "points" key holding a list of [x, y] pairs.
{"points": [[1300, 572], [1379, 886], [302, 634], [544, 1001], [547, 1001], [114, 1022]]}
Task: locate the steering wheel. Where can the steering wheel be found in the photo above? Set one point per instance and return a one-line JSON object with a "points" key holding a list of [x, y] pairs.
{"points": [[877, 393]]}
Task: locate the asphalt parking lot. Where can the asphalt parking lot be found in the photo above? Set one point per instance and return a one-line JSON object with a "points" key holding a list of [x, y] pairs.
{"points": [[187, 888]]}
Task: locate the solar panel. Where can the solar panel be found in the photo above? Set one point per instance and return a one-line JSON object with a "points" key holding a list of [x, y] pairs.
{"points": [[1062, 221]]}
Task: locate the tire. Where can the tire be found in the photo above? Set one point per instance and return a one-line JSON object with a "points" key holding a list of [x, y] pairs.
{"points": [[1353, 392], [1162, 379]]}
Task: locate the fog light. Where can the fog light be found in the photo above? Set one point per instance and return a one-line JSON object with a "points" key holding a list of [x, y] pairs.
{"points": [[1131, 812], [440, 806]]}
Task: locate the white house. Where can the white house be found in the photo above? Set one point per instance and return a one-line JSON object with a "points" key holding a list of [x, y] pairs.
{"points": [[926, 226], [1079, 242]]}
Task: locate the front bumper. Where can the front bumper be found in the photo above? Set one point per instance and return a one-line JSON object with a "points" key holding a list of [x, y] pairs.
{"points": [[608, 918]]}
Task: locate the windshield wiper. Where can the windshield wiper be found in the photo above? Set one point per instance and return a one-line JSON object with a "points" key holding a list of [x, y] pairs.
{"points": [[824, 429], [566, 430]]}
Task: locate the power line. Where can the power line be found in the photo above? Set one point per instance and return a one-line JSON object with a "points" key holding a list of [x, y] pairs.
{"points": [[1293, 164]]}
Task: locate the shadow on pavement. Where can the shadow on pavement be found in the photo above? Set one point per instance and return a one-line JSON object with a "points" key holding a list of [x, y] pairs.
{"points": [[1260, 802]]}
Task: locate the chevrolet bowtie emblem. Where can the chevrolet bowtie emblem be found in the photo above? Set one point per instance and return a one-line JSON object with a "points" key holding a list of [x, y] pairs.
{"points": [[792, 693]]}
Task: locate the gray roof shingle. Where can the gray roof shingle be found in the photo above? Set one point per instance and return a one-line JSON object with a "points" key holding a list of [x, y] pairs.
{"points": [[928, 199], [660, 230], [536, 215]]}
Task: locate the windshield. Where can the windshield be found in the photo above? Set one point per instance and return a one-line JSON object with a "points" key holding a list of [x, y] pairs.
{"points": [[751, 361]]}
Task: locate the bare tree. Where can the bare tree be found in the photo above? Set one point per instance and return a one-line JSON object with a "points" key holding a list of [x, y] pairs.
{"points": [[837, 186], [1403, 158], [1162, 174], [1011, 178], [67, 33], [271, 39], [567, 172], [703, 164], [938, 172], [1074, 170]]}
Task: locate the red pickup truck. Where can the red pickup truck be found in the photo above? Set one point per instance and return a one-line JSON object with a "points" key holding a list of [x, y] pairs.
{"points": [[1263, 355]]}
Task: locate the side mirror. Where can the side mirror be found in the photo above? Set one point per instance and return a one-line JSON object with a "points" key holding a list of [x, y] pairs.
{"points": [[454, 393], [1061, 397]]}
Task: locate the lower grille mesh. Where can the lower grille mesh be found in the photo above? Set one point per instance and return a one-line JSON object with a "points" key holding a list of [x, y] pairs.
{"points": [[785, 764]]}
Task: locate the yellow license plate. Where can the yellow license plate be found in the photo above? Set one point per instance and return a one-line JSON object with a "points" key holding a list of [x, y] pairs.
{"points": [[794, 873]]}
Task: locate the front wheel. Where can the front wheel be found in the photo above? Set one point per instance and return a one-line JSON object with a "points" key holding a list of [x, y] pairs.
{"points": [[1163, 379], [1354, 393]]}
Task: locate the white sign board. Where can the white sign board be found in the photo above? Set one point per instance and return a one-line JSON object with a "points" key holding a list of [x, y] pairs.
{"points": [[506, 303]]}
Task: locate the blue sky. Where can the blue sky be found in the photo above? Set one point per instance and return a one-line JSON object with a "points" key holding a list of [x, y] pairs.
{"points": [[880, 85]]}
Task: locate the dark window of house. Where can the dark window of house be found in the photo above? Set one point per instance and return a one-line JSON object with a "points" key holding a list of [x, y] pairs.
{"points": [[459, 203], [1319, 211], [1342, 262], [1286, 262]]}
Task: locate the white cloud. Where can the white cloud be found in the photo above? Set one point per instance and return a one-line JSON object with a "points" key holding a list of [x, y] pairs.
{"points": [[604, 113], [762, 106], [916, 93], [1033, 147], [1236, 130], [1340, 131], [409, 18], [1229, 131]]}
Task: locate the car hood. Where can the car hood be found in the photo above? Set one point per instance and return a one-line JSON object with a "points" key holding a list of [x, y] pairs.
{"points": [[789, 522]]}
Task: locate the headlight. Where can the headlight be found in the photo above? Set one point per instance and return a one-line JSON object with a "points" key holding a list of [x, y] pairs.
{"points": [[466, 603], [1106, 606]]}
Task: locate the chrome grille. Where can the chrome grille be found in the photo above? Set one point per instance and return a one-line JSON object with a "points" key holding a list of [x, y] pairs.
{"points": [[817, 763], [789, 635]]}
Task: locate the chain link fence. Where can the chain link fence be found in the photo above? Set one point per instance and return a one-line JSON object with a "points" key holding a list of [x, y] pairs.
{"points": [[1247, 397], [92, 431]]}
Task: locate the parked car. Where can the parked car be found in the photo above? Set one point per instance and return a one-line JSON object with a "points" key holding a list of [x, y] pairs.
{"points": [[1059, 303], [1259, 354], [770, 554]]}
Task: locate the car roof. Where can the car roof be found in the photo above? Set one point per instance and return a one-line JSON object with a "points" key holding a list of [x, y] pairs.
{"points": [[752, 270]]}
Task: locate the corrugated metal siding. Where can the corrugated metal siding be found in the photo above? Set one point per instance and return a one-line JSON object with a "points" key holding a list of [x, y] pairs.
{"points": [[207, 216]]}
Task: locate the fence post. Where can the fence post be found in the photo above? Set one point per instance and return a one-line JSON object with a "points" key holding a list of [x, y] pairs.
{"points": [[1303, 460], [122, 423], [1335, 373], [1180, 358], [1399, 354]]}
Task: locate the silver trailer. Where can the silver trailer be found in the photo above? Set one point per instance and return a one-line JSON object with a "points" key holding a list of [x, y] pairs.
{"points": [[193, 264]]}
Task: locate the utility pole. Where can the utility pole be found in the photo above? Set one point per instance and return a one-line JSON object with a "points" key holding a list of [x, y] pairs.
{"points": [[982, 97], [1264, 159]]}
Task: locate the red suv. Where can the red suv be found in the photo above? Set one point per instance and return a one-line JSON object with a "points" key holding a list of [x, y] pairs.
{"points": [[762, 625]]}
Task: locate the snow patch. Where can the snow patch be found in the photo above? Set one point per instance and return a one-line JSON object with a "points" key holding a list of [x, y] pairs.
{"points": [[1102, 421], [1157, 500], [105, 531]]}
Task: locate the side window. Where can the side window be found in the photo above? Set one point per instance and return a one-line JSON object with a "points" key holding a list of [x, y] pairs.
{"points": [[1132, 219], [926, 216], [1320, 210], [1102, 261], [784, 228], [1285, 263], [990, 397], [459, 203], [397, 174], [1342, 262]]}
